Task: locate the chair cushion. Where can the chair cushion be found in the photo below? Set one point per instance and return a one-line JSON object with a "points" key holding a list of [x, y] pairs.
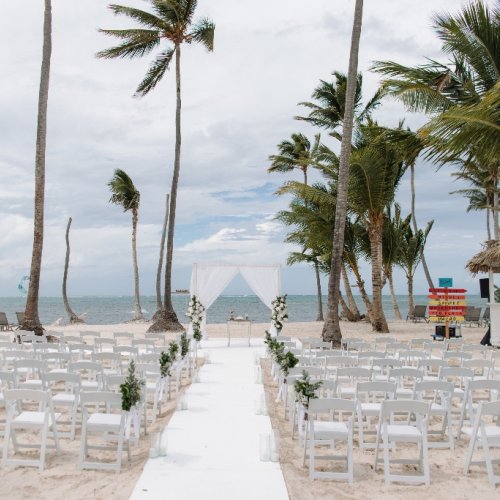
{"points": [[90, 384], [371, 408], [33, 418], [63, 398], [326, 430], [403, 431], [108, 419]]}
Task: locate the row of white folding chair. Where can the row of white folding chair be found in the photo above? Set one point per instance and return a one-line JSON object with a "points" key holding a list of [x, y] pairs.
{"points": [[330, 431]]}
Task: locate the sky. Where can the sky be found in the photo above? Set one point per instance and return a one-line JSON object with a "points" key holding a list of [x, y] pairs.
{"points": [[238, 104]]}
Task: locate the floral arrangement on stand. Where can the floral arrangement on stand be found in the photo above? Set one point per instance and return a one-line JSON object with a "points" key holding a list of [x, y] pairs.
{"points": [[279, 312], [195, 314], [305, 390], [285, 360], [184, 344], [165, 364], [131, 392]]}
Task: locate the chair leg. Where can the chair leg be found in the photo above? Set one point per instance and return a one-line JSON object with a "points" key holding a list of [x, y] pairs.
{"points": [[487, 457], [387, 464], [425, 459], [6, 440], [83, 445], [43, 446]]}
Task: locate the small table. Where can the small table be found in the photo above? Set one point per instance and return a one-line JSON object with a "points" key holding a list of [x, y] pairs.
{"points": [[247, 322]]}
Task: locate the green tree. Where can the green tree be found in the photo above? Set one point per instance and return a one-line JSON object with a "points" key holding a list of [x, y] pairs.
{"points": [[31, 319], [392, 242], [375, 172], [411, 255], [124, 194], [170, 25], [296, 153]]}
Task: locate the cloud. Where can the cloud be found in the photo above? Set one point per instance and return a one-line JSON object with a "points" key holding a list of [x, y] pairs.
{"points": [[238, 103]]}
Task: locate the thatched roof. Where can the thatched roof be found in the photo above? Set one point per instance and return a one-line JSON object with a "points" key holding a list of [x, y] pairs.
{"points": [[488, 258]]}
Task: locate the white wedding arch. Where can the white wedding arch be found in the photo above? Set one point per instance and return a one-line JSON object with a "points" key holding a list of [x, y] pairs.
{"points": [[209, 280]]}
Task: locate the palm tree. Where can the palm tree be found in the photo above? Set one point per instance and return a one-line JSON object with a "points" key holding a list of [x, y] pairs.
{"points": [[376, 170], [128, 197], [411, 253], [462, 95], [31, 319], [73, 318], [159, 303], [294, 154], [171, 22], [392, 241]]}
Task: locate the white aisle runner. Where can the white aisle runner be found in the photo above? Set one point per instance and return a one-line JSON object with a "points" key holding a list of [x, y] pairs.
{"points": [[213, 446]]}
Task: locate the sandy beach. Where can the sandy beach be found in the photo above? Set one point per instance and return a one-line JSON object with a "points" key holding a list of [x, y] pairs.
{"points": [[62, 479]]}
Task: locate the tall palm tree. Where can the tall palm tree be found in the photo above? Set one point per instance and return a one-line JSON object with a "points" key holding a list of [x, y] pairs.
{"points": [[159, 302], [376, 170], [392, 241], [410, 256], [170, 24], [461, 94], [31, 319], [124, 194], [73, 318], [296, 153]]}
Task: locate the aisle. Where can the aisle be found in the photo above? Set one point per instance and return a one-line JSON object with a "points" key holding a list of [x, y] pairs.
{"points": [[213, 447]]}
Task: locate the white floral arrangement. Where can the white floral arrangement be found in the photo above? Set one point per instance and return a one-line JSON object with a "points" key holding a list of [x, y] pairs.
{"points": [[195, 314], [279, 312]]}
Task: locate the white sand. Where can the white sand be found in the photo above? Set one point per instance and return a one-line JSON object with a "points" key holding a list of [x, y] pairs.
{"points": [[62, 479]]}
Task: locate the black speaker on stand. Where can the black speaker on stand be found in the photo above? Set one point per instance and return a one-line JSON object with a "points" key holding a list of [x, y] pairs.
{"points": [[484, 286]]}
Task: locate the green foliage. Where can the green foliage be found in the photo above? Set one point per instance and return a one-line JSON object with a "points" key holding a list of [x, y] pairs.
{"points": [[168, 26], [131, 389], [173, 349], [197, 333], [184, 345], [165, 364], [305, 390], [286, 361], [123, 191]]}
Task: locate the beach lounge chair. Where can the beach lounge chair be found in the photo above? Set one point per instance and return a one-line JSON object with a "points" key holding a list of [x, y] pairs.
{"points": [[20, 318], [473, 316], [418, 314], [4, 323]]}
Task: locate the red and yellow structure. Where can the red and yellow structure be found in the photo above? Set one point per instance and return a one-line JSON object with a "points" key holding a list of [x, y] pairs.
{"points": [[447, 305]]}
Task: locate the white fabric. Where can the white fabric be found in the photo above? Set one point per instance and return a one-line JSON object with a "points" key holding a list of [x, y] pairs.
{"points": [[209, 280]]}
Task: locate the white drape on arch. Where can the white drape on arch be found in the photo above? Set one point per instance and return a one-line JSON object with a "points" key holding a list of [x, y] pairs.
{"points": [[208, 281]]}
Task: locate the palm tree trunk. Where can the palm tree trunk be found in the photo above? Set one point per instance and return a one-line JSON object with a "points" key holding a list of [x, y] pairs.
{"points": [[379, 323], [159, 303], [395, 307], [350, 297], [488, 226], [31, 319], [168, 320], [346, 312], [319, 317], [411, 305], [415, 227], [138, 310], [304, 169], [362, 291], [331, 328], [73, 318], [496, 228]]}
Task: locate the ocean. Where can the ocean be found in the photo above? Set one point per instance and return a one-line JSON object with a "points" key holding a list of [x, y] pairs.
{"points": [[113, 310]]}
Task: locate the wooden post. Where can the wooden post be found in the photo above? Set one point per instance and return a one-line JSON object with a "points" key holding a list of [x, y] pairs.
{"points": [[447, 321]]}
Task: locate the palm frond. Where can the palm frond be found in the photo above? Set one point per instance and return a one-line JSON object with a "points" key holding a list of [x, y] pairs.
{"points": [[123, 191], [203, 32], [142, 17], [138, 43], [155, 72]]}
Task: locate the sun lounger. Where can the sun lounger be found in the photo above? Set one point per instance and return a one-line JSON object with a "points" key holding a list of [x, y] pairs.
{"points": [[418, 314], [473, 316], [4, 323]]}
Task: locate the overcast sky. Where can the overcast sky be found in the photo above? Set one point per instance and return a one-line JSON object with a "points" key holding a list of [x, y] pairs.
{"points": [[238, 103]]}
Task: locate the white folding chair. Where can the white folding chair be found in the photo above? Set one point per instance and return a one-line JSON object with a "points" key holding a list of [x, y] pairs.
{"points": [[29, 373], [90, 372], [109, 422], [43, 419], [369, 397], [458, 376], [327, 432], [476, 392], [431, 368], [104, 344], [483, 368], [8, 380], [407, 430], [456, 358], [382, 367], [439, 395], [110, 362], [122, 337], [65, 391], [56, 361], [486, 435], [347, 378], [405, 379]]}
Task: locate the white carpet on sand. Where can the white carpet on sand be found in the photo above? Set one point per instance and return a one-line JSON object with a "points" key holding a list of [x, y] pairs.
{"points": [[213, 446]]}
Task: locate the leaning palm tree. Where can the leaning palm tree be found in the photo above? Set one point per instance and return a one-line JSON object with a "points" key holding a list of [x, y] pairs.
{"points": [[170, 23], [297, 153], [31, 319], [124, 194]]}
